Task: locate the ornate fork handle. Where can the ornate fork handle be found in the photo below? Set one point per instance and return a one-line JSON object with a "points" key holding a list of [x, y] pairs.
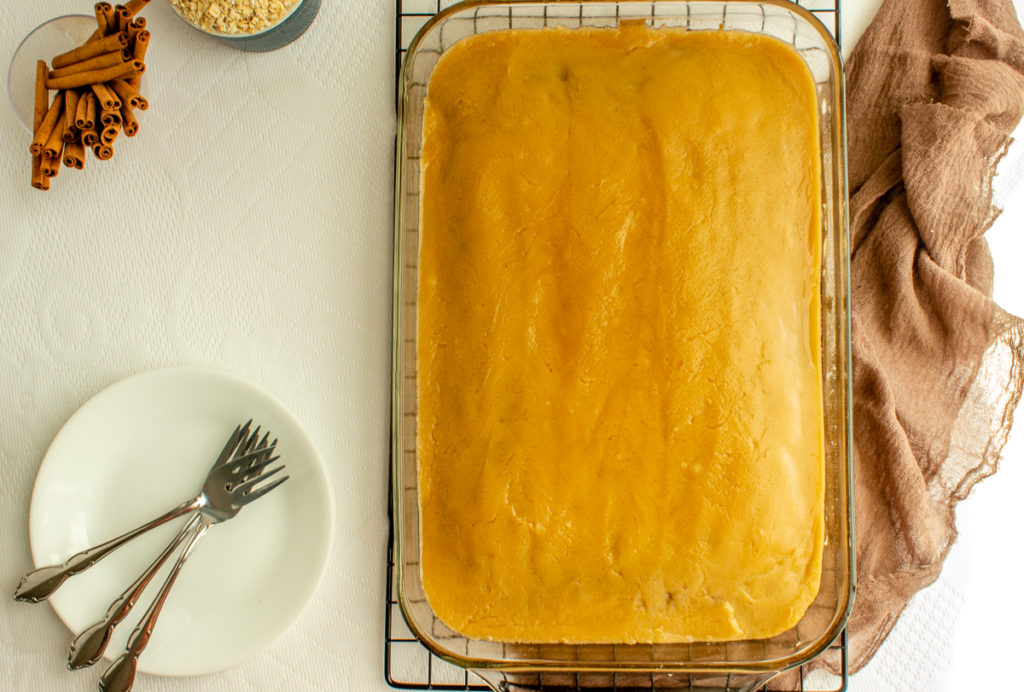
{"points": [[120, 676], [40, 583], [88, 647]]}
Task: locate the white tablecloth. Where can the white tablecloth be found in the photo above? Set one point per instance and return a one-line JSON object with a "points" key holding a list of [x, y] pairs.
{"points": [[248, 228]]}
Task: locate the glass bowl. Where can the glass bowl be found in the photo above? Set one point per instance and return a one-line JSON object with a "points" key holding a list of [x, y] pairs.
{"points": [[738, 664], [47, 40], [294, 24]]}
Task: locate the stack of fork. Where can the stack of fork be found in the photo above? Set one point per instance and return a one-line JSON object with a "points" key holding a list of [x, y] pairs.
{"points": [[238, 476]]}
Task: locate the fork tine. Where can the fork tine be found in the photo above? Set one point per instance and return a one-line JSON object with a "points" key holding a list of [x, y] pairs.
{"points": [[254, 470], [243, 461], [232, 444], [244, 434], [252, 439], [260, 492], [244, 488]]}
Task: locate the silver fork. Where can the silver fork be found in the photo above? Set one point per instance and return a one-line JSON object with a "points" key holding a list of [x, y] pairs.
{"points": [[218, 497], [88, 647], [120, 676]]}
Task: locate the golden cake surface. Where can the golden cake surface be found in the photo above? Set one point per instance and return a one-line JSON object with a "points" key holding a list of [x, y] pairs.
{"points": [[619, 430]]}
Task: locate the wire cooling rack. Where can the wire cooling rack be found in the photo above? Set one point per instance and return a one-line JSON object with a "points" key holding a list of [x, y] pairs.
{"points": [[408, 665], [411, 15]]}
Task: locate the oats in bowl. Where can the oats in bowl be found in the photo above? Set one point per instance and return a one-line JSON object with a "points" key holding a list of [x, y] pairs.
{"points": [[234, 17]]}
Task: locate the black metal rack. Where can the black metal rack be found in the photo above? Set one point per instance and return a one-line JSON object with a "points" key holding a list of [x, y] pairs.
{"points": [[408, 665], [411, 15]]}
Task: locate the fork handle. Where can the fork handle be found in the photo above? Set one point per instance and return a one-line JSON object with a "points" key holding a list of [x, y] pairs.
{"points": [[120, 676], [88, 647], [40, 583]]}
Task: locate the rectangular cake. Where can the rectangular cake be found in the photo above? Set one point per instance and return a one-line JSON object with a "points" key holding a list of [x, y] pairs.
{"points": [[619, 432]]}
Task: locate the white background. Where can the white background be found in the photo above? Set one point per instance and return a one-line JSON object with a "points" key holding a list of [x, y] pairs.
{"points": [[248, 228]]}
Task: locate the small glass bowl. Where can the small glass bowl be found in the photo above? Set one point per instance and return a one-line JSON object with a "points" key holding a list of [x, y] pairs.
{"points": [[47, 40], [277, 36]]}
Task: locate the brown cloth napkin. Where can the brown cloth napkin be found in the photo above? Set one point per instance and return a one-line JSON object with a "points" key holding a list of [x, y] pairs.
{"points": [[934, 91]]}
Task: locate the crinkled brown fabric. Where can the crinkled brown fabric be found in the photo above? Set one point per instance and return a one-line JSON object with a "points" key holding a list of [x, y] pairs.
{"points": [[934, 91]]}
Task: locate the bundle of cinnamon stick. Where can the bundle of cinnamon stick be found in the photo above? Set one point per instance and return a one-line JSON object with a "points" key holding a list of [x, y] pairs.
{"points": [[97, 92]]}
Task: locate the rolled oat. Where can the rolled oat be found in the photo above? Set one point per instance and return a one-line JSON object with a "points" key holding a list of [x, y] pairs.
{"points": [[234, 16]]}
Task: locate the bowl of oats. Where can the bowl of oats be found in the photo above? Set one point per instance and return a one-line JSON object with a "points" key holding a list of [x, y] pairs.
{"points": [[250, 25]]}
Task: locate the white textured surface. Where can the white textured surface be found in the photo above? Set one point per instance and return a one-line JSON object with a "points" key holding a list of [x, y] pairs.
{"points": [[253, 234], [247, 228]]}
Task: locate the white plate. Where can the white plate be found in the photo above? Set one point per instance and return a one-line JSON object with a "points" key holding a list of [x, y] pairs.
{"points": [[143, 446]]}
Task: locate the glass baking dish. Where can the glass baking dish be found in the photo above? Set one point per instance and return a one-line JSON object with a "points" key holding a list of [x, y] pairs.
{"points": [[736, 665]]}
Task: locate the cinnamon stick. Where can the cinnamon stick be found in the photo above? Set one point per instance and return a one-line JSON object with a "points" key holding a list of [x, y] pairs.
{"points": [[99, 62], [105, 99], [55, 144], [42, 96], [104, 21], [141, 45], [70, 110], [108, 15], [107, 44], [90, 137], [39, 179], [133, 31], [139, 49], [126, 92], [137, 25], [48, 124], [80, 79], [42, 99], [101, 23], [49, 166], [112, 117], [90, 110], [124, 18], [82, 110], [143, 103], [135, 6], [102, 151], [109, 133], [128, 122], [74, 155]]}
